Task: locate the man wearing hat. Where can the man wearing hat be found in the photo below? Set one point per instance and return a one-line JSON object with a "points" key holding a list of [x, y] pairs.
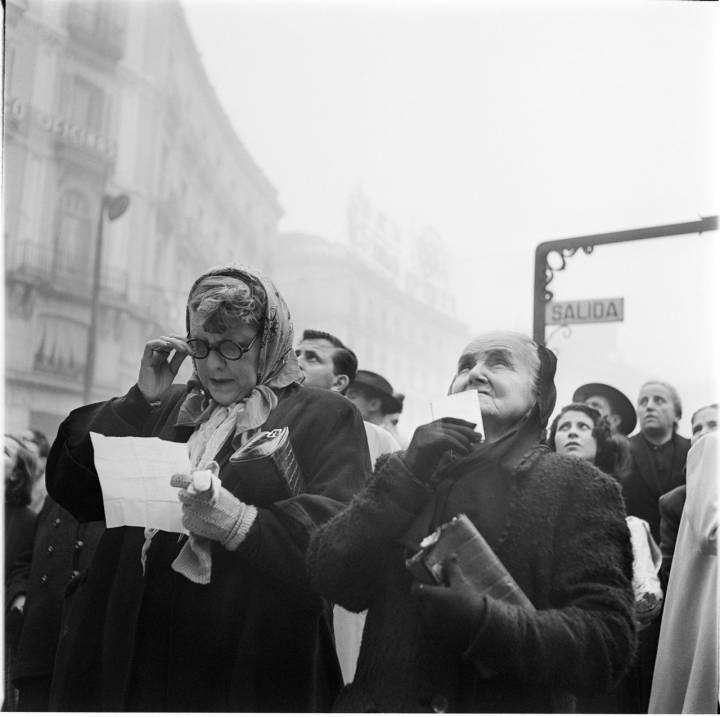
{"points": [[374, 397], [609, 402]]}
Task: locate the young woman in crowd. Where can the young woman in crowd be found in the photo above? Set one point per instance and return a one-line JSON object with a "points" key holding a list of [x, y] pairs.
{"points": [[579, 430]]}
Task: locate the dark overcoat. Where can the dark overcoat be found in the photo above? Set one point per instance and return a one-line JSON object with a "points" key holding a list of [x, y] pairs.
{"points": [[642, 487], [671, 506], [564, 540], [256, 638], [48, 570]]}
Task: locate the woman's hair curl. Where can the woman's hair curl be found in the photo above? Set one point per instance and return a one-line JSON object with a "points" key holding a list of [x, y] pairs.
{"points": [[223, 302]]}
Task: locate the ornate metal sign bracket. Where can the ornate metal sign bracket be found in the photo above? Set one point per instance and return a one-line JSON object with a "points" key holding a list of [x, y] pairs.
{"points": [[563, 249]]}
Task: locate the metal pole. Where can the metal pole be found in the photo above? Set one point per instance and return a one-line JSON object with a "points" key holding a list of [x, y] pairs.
{"points": [[94, 306], [586, 243]]}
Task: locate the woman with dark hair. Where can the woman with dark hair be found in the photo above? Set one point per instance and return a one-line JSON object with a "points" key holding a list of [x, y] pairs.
{"points": [[226, 619], [20, 471], [579, 430]]}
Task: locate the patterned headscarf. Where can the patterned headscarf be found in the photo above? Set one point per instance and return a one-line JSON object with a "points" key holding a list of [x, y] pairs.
{"points": [[277, 363]]}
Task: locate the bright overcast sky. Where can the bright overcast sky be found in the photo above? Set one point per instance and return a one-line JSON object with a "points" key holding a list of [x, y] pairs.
{"points": [[502, 125]]}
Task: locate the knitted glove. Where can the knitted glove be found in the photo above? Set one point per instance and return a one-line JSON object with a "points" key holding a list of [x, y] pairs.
{"points": [[454, 611], [213, 513]]}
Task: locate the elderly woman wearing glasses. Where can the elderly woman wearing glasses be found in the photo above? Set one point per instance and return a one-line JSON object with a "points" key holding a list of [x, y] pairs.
{"points": [[225, 620], [447, 641]]}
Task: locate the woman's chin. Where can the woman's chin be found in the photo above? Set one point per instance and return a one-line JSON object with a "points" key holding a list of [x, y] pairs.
{"points": [[224, 394]]}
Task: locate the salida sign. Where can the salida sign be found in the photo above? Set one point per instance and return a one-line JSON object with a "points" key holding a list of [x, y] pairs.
{"points": [[584, 311]]}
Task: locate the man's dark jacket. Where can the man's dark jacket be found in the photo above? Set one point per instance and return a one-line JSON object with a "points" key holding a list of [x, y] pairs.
{"points": [[671, 507], [643, 486]]}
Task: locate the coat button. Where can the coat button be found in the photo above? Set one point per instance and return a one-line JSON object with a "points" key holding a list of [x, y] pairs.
{"points": [[74, 575], [57, 522], [440, 704], [51, 549], [79, 545], [44, 579]]}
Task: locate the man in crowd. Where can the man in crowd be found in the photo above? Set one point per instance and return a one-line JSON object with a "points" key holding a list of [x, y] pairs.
{"points": [[658, 456], [328, 363], [658, 453], [609, 402], [374, 397]]}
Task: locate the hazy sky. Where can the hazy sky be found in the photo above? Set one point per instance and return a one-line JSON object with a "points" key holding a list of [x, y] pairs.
{"points": [[502, 125]]}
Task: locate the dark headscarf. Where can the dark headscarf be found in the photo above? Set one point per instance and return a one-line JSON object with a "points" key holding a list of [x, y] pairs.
{"points": [[546, 391]]}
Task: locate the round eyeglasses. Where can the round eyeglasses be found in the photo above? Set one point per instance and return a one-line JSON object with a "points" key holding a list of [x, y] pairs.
{"points": [[200, 349]]}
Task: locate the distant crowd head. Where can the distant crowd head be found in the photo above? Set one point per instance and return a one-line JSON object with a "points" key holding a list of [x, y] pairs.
{"points": [[21, 469], [610, 403], [659, 410], [374, 397], [703, 421]]}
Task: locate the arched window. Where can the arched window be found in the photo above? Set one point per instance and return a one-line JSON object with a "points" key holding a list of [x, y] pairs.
{"points": [[74, 248]]}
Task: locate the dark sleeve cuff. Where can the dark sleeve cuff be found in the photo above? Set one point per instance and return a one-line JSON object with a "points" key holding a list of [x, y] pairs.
{"points": [[250, 546], [492, 630], [133, 408], [400, 485]]}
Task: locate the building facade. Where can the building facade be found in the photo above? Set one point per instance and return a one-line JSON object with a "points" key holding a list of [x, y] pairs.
{"points": [[104, 99], [398, 319]]}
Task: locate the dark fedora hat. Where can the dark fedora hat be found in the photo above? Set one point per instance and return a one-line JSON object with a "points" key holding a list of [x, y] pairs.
{"points": [[619, 403], [378, 386]]}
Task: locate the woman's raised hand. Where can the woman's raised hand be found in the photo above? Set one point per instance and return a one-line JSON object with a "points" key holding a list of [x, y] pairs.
{"points": [[431, 441], [158, 368]]}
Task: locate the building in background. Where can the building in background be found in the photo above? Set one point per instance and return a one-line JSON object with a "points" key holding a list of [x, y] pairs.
{"points": [[388, 297], [107, 98]]}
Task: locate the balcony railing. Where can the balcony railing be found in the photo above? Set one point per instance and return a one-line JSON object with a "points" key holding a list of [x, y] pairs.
{"points": [[165, 307], [66, 272], [95, 25], [66, 275]]}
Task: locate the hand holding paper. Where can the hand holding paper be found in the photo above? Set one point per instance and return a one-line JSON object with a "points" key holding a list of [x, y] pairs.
{"points": [[464, 405], [433, 440], [199, 480]]}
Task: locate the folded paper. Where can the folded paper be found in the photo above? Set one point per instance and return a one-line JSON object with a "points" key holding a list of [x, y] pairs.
{"points": [[134, 477], [464, 405]]}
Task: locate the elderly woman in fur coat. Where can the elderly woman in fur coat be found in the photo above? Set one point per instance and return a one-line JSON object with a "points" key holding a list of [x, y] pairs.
{"points": [[556, 524]]}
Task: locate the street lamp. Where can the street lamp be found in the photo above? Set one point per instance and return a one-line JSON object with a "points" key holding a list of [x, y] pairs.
{"points": [[116, 206]]}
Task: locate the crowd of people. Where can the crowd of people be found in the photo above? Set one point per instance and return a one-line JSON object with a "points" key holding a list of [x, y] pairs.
{"points": [[327, 575]]}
